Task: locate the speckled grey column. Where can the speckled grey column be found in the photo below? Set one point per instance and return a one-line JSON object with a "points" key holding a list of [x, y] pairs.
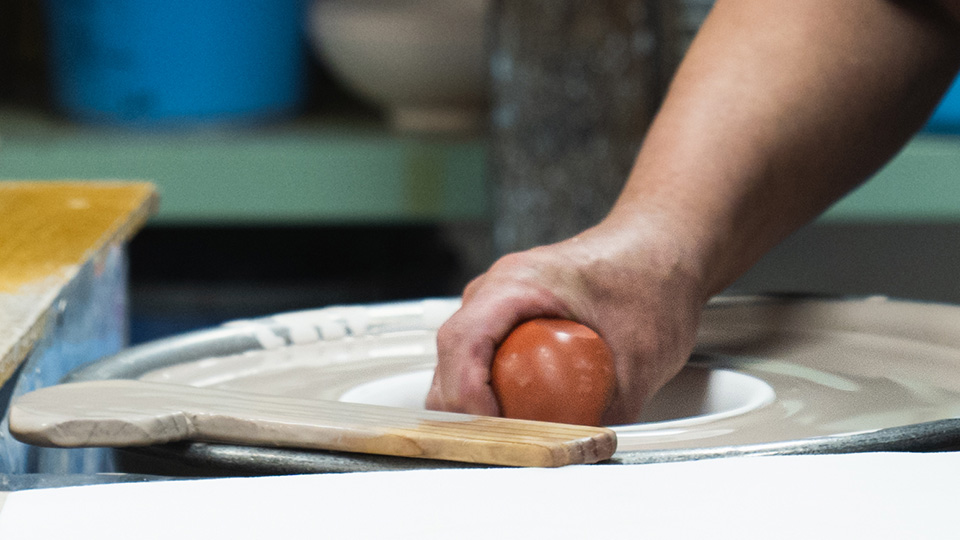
{"points": [[575, 85]]}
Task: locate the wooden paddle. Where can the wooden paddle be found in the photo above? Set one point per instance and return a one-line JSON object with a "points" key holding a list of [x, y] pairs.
{"points": [[134, 413]]}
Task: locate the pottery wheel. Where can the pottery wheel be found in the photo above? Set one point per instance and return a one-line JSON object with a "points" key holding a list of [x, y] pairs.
{"points": [[769, 375]]}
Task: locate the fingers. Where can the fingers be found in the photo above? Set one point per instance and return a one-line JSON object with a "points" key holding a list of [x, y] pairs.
{"points": [[461, 382], [640, 300], [493, 305]]}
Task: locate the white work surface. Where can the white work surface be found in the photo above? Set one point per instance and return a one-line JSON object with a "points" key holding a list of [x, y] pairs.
{"points": [[848, 496]]}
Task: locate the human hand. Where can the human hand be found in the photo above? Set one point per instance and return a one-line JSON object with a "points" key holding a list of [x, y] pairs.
{"points": [[629, 281]]}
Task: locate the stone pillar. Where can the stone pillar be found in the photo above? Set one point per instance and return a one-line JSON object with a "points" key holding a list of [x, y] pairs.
{"points": [[575, 85]]}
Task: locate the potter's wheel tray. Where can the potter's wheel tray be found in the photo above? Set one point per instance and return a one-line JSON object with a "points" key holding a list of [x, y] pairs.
{"points": [[770, 375]]}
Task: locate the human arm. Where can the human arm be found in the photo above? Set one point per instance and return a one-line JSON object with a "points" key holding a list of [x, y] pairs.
{"points": [[778, 109]]}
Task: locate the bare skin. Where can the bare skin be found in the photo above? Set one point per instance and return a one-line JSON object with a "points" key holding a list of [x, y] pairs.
{"points": [[779, 109]]}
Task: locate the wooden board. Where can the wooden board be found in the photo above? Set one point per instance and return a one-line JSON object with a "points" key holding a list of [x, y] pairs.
{"points": [[48, 231], [135, 413]]}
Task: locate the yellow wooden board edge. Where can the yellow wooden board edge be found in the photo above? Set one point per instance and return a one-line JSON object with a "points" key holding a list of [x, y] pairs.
{"points": [[48, 231]]}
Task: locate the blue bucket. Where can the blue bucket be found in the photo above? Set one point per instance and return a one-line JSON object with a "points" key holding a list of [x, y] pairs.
{"points": [[176, 62], [946, 117]]}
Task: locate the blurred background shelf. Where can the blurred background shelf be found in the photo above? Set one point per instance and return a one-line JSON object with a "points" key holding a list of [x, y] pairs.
{"points": [[921, 185], [352, 168], [309, 170], [319, 170]]}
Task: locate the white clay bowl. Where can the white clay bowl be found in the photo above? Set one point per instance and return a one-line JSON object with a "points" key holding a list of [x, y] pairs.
{"points": [[423, 60]]}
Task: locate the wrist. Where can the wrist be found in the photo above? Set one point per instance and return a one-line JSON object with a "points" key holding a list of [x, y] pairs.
{"points": [[639, 248], [710, 232]]}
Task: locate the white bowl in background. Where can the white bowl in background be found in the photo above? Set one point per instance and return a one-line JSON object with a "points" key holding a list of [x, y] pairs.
{"points": [[423, 60]]}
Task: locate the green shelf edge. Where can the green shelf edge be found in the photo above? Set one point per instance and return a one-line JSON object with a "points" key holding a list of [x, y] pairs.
{"points": [[298, 172], [323, 171], [921, 184]]}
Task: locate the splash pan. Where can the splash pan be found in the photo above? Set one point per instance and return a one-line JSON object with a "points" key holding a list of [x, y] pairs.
{"points": [[769, 375]]}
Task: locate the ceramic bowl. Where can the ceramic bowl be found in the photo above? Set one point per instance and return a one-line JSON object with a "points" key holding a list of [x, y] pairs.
{"points": [[424, 61]]}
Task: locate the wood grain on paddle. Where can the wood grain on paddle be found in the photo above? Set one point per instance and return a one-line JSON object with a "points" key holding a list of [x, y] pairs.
{"points": [[135, 413]]}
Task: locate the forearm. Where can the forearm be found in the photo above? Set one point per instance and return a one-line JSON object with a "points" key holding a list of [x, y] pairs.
{"points": [[780, 108]]}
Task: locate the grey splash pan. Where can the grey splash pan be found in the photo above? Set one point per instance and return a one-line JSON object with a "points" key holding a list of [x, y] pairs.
{"points": [[771, 375]]}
